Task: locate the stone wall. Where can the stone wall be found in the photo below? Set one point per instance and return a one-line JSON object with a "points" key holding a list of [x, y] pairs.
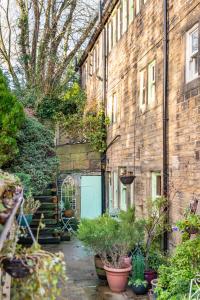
{"points": [[139, 147]]}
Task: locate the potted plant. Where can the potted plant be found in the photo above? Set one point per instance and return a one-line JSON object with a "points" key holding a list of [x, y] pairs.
{"points": [[29, 209], [112, 241], [137, 281], [189, 225], [68, 211], [155, 226], [127, 178], [9, 188]]}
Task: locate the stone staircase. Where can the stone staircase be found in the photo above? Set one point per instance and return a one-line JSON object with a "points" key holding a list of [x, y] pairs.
{"points": [[49, 211]]}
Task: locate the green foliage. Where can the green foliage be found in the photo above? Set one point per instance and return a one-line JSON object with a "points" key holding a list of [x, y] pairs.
{"points": [[11, 119], [95, 130], [109, 238], [43, 283], [190, 222], [138, 266], [37, 158], [184, 265]]}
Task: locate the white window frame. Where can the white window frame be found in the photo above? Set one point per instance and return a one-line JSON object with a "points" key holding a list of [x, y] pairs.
{"points": [[109, 36], [114, 35], [191, 56], [125, 16], [142, 89], [138, 6], [119, 17], [154, 178], [110, 109], [151, 82]]}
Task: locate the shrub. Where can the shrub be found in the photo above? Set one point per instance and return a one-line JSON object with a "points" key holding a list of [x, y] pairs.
{"points": [[184, 265], [11, 119], [36, 163]]}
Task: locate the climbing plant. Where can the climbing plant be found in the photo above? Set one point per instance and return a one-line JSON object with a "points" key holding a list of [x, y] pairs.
{"points": [[11, 119]]}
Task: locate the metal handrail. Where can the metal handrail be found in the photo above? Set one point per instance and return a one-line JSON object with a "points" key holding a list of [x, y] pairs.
{"points": [[9, 222]]}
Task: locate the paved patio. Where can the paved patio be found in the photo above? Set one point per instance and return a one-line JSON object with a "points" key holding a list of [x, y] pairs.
{"points": [[82, 283]]}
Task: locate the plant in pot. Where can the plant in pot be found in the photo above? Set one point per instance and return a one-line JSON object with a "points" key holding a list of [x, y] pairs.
{"points": [[155, 226], [127, 178], [30, 207], [10, 186], [137, 281], [36, 274], [112, 241], [68, 211], [189, 225]]}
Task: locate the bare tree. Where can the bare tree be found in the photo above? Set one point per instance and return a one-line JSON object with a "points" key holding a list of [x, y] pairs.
{"points": [[39, 39]]}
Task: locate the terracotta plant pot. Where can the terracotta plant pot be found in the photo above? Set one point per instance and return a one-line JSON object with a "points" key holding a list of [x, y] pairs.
{"points": [[149, 275], [68, 213], [117, 278], [55, 199], [101, 273], [4, 217]]}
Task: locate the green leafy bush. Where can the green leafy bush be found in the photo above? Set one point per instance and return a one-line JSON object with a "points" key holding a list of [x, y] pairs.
{"points": [[184, 265], [11, 119], [36, 163]]}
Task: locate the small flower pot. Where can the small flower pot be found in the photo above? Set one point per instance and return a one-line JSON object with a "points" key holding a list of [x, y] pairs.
{"points": [[117, 278], [127, 179], [17, 268], [68, 213], [139, 289], [101, 273], [4, 217], [154, 283], [22, 221], [149, 275]]}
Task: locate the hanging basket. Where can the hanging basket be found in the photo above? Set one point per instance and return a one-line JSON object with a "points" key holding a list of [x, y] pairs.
{"points": [[127, 179], [18, 268]]}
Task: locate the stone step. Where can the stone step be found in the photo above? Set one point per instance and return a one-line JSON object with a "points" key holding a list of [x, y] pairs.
{"points": [[43, 239], [44, 221], [46, 199]]}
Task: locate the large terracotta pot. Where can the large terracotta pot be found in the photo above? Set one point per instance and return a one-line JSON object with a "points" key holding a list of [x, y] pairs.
{"points": [[101, 273], [117, 278]]}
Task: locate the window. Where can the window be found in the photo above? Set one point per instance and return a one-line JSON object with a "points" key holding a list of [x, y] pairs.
{"points": [[68, 192], [192, 49], [125, 15], [143, 93], [115, 108], [91, 64], [110, 109], [137, 6], [151, 82], [110, 36], [119, 22], [131, 11], [114, 29], [115, 191], [156, 185]]}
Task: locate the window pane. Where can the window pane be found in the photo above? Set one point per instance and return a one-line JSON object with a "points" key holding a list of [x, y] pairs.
{"points": [[131, 11], [124, 15], [194, 37]]}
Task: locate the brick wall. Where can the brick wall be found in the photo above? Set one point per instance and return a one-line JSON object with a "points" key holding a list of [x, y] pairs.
{"points": [[141, 141]]}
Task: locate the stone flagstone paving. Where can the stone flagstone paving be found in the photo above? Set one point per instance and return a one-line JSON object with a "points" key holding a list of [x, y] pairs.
{"points": [[82, 283]]}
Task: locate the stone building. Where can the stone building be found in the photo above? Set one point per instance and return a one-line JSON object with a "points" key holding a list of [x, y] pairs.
{"points": [[142, 63]]}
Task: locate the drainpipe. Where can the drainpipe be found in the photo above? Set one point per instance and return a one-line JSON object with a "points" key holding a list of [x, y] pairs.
{"points": [[165, 115], [103, 155]]}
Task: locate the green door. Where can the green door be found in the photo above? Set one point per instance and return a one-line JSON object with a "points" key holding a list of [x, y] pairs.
{"points": [[91, 206]]}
